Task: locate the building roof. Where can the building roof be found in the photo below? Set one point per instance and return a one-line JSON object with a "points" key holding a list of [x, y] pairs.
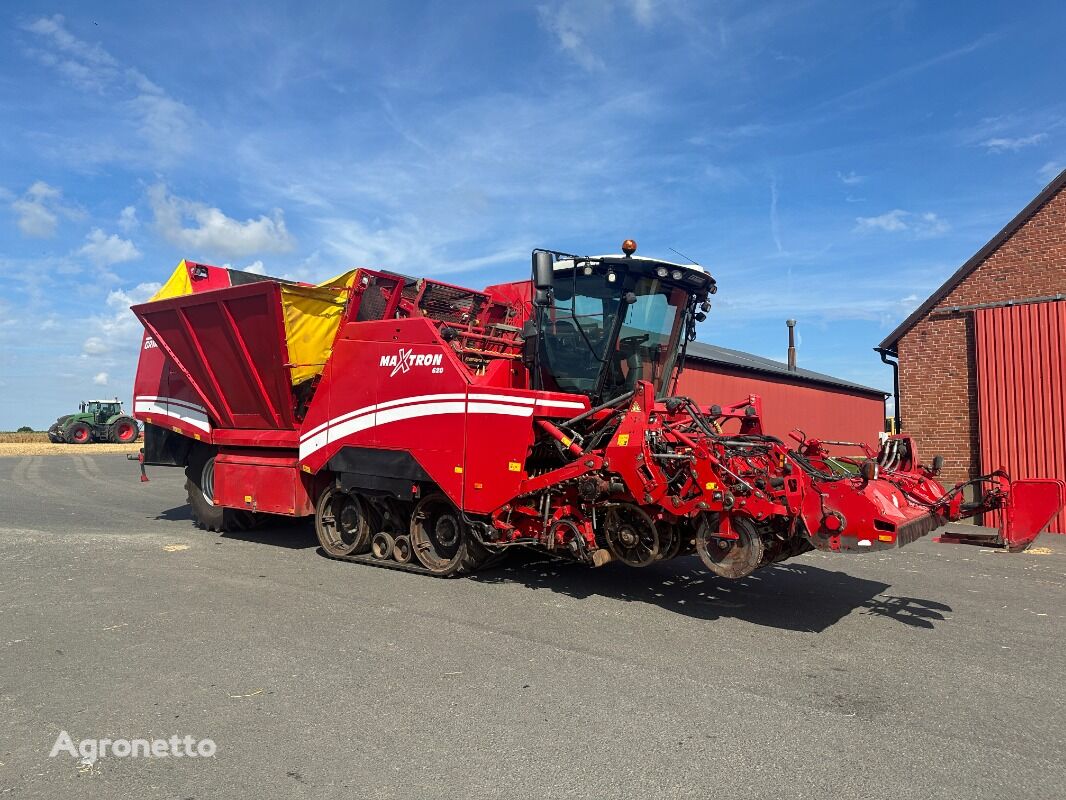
{"points": [[736, 359], [975, 261]]}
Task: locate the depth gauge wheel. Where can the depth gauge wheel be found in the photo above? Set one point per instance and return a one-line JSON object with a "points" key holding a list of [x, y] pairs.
{"points": [[731, 558], [631, 535]]}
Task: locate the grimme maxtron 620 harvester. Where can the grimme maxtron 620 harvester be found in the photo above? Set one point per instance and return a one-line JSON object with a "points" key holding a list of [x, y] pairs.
{"points": [[426, 426]]}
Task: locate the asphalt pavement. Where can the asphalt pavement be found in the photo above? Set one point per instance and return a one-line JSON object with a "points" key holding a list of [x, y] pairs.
{"points": [[936, 671]]}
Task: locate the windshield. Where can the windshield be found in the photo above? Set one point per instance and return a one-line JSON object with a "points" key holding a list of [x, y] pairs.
{"points": [[588, 350]]}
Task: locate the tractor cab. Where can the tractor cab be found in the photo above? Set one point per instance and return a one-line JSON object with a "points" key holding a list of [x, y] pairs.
{"points": [[101, 410], [602, 323]]}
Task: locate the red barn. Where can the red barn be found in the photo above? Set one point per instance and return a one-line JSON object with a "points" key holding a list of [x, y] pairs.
{"points": [[982, 379], [819, 405]]}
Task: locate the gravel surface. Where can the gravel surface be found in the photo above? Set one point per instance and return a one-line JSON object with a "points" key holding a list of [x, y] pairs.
{"points": [[46, 448], [931, 672]]}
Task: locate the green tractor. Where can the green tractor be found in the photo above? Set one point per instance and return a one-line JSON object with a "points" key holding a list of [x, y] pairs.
{"points": [[96, 421]]}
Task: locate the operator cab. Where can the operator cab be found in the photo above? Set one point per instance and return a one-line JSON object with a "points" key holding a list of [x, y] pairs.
{"points": [[102, 410], [604, 322]]}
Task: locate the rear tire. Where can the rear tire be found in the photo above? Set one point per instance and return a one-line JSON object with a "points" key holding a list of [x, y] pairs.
{"points": [[199, 485], [123, 431], [78, 433]]}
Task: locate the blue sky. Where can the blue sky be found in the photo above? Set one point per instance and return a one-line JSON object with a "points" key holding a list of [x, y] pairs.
{"points": [[828, 161]]}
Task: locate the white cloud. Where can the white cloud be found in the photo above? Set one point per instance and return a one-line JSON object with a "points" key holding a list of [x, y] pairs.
{"points": [[851, 179], [88, 66], [127, 219], [409, 245], [211, 231], [100, 379], [94, 346], [929, 225], [924, 225], [163, 122], [256, 268], [723, 176], [1051, 170], [569, 26], [1002, 144], [38, 210], [103, 250], [119, 330], [643, 11]]}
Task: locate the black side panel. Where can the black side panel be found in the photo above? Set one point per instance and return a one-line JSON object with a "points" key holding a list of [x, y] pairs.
{"points": [[163, 448], [386, 472]]}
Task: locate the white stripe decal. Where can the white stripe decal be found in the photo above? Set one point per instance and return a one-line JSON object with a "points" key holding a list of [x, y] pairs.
{"points": [[561, 404], [173, 401], [388, 404], [346, 427], [501, 408], [189, 417], [504, 398]]}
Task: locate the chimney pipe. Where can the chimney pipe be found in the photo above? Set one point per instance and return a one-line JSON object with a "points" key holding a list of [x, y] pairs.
{"points": [[791, 344]]}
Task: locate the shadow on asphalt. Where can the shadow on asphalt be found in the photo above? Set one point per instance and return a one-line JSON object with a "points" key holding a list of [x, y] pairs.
{"points": [[789, 596], [794, 597], [295, 534]]}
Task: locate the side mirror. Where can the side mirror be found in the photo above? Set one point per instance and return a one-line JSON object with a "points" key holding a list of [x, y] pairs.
{"points": [[543, 277]]}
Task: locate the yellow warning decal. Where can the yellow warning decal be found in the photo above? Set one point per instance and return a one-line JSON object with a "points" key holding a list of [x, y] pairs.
{"points": [[247, 498], [710, 486], [635, 407], [566, 440], [306, 468], [196, 436], [147, 419], [623, 439], [514, 466], [458, 470]]}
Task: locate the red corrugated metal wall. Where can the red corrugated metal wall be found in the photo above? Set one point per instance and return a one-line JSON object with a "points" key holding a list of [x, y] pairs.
{"points": [[819, 411], [1021, 391]]}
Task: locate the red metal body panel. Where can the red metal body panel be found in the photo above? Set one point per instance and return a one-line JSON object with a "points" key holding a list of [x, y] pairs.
{"points": [[394, 385], [162, 396], [230, 346], [1021, 391], [264, 480], [816, 410]]}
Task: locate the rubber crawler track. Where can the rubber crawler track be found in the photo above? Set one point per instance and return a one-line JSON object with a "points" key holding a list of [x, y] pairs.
{"points": [[388, 563]]}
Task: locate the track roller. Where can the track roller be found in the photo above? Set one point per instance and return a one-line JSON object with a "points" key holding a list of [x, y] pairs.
{"points": [[402, 550], [381, 545]]}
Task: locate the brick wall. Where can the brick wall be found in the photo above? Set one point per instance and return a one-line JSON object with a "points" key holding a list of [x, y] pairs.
{"points": [[937, 377]]}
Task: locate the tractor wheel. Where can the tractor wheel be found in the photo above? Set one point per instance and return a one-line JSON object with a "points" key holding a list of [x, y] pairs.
{"points": [[78, 433], [442, 541], [123, 431], [200, 487]]}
